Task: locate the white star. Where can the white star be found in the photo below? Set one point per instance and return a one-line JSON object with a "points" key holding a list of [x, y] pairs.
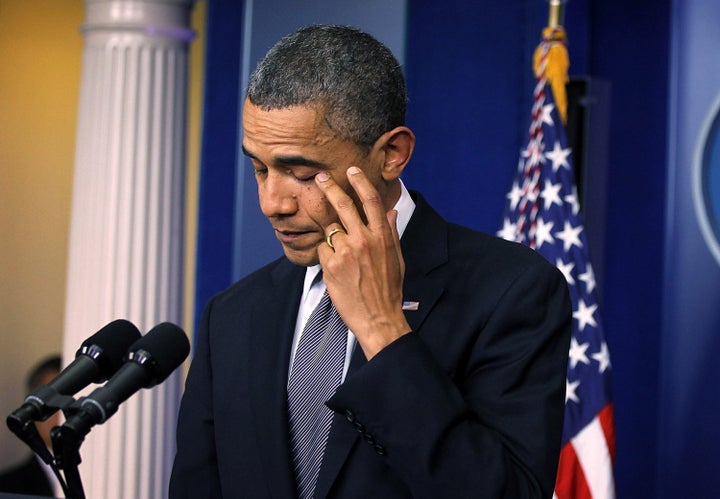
{"points": [[584, 315], [572, 200], [546, 114], [566, 269], [509, 230], [588, 278], [551, 194], [514, 195], [542, 233], [603, 358], [577, 353], [559, 156], [570, 235], [570, 391]]}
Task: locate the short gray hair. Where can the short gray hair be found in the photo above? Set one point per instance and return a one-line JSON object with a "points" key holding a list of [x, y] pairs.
{"points": [[354, 80]]}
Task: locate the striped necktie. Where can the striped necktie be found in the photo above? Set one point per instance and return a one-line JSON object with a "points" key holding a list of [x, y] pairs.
{"points": [[316, 373]]}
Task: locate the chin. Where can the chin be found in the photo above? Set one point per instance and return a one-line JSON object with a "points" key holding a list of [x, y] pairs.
{"points": [[306, 258]]}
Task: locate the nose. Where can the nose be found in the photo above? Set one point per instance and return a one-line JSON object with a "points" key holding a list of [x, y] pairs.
{"points": [[276, 196]]}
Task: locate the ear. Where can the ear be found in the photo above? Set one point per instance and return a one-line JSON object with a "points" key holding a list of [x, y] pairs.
{"points": [[396, 148]]}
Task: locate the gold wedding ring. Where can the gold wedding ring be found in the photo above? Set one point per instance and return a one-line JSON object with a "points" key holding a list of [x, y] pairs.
{"points": [[328, 238]]}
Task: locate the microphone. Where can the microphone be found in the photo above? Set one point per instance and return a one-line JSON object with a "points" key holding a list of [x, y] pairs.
{"points": [[150, 360], [98, 358]]}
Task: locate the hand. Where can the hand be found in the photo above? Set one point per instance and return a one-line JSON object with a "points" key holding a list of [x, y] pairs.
{"points": [[364, 272]]}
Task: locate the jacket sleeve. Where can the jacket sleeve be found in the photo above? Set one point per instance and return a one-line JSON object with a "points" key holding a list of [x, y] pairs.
{"points": [[195, 470], [489, 427]]}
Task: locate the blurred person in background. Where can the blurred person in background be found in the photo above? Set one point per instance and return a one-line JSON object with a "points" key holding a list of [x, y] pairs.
{"points": [[33, 476]]}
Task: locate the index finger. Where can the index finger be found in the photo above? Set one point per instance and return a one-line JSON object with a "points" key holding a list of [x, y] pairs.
{"points": [[370, 198], [340, 200]]}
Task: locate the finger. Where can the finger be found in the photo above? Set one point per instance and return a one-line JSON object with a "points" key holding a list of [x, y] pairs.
{"points": [[325, 252], [334, 230], [367, 193], [392, 216], [342, 203]]}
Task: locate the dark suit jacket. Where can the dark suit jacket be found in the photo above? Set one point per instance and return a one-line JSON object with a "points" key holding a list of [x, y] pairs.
{"points": [[470, 404], [27, 478]]}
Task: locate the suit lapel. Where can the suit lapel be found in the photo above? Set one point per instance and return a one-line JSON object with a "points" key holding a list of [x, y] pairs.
{"points": [[272, 326], [424, 246]]}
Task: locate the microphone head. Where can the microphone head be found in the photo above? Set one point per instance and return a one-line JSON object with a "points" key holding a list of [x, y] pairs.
{"points": [[109, 346], [160, 351]]}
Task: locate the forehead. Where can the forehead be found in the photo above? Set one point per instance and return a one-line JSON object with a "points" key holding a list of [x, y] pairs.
{"points": [[292, 125]]}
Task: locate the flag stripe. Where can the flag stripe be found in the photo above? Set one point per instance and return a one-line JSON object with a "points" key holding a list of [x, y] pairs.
{"points": [[607, 421], [592, 452], [571, 483]]}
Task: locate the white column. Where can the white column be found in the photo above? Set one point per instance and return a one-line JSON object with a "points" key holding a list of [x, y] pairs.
{"points": [[126, 239]]}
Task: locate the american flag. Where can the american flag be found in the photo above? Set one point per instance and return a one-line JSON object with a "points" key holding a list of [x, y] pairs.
{"points": [[542, 212]]}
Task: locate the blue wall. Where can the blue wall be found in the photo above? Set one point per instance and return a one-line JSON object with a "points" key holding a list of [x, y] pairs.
{"points": [[689, 454], [218, 161], [470, 83], [630, 49]]}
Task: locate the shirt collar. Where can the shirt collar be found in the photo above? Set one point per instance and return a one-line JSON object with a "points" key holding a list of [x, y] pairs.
{"points": [[405, 207]]}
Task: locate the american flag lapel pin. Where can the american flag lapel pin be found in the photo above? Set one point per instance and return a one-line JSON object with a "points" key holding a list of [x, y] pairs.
{"points": [[410, 305]]}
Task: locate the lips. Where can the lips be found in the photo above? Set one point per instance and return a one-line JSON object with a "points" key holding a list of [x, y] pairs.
{"points": [[292, 236]]}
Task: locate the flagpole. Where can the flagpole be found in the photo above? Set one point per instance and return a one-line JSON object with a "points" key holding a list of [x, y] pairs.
{"points": [[555, 55], [556, 13]]}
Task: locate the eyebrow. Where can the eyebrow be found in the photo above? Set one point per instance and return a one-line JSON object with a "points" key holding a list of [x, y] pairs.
{"points": [[287, 160]]}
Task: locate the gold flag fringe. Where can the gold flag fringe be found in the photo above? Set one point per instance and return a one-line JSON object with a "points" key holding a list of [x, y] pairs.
{"points": [[556, 67]]}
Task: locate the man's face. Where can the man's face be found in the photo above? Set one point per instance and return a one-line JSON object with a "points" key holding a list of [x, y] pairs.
{"points": [[288, 147]]}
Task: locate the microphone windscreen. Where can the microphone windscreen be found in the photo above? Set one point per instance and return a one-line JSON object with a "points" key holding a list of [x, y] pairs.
{"points": [[168, 346], [114, 340]]}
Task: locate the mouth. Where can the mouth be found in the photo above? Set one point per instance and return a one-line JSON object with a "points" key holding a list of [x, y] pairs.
{"points": [[293, 237]]}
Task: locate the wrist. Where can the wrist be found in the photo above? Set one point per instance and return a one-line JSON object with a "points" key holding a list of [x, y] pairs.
{"points": [[380, 337]]}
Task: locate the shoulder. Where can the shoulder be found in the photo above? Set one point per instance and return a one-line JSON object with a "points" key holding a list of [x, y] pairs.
{"points": [[497, 263], [20, 469], [26, 477], [468, 247], [468, 255], [473, 245], [256, 286]]}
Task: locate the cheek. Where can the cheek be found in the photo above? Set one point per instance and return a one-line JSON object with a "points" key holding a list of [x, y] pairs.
{"points": [[319, 208]]}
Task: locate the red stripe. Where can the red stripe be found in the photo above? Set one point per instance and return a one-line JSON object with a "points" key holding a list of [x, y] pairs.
{"points": [[607, 421], [571, 483]]}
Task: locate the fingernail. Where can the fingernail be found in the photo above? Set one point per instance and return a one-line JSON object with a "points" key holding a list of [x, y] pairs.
{"points": [[353, 170], [322, 177]]}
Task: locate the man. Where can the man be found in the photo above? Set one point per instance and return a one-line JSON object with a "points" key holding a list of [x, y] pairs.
{"points": [[33, 476], [454, 342]]}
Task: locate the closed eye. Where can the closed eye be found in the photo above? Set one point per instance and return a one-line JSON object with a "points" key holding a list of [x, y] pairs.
{"points": [[300, 168], [303, 174]]}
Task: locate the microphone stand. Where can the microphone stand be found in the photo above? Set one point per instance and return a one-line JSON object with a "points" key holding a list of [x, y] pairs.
{"points": [[67, 456], [67, 440], [22, 424]]}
